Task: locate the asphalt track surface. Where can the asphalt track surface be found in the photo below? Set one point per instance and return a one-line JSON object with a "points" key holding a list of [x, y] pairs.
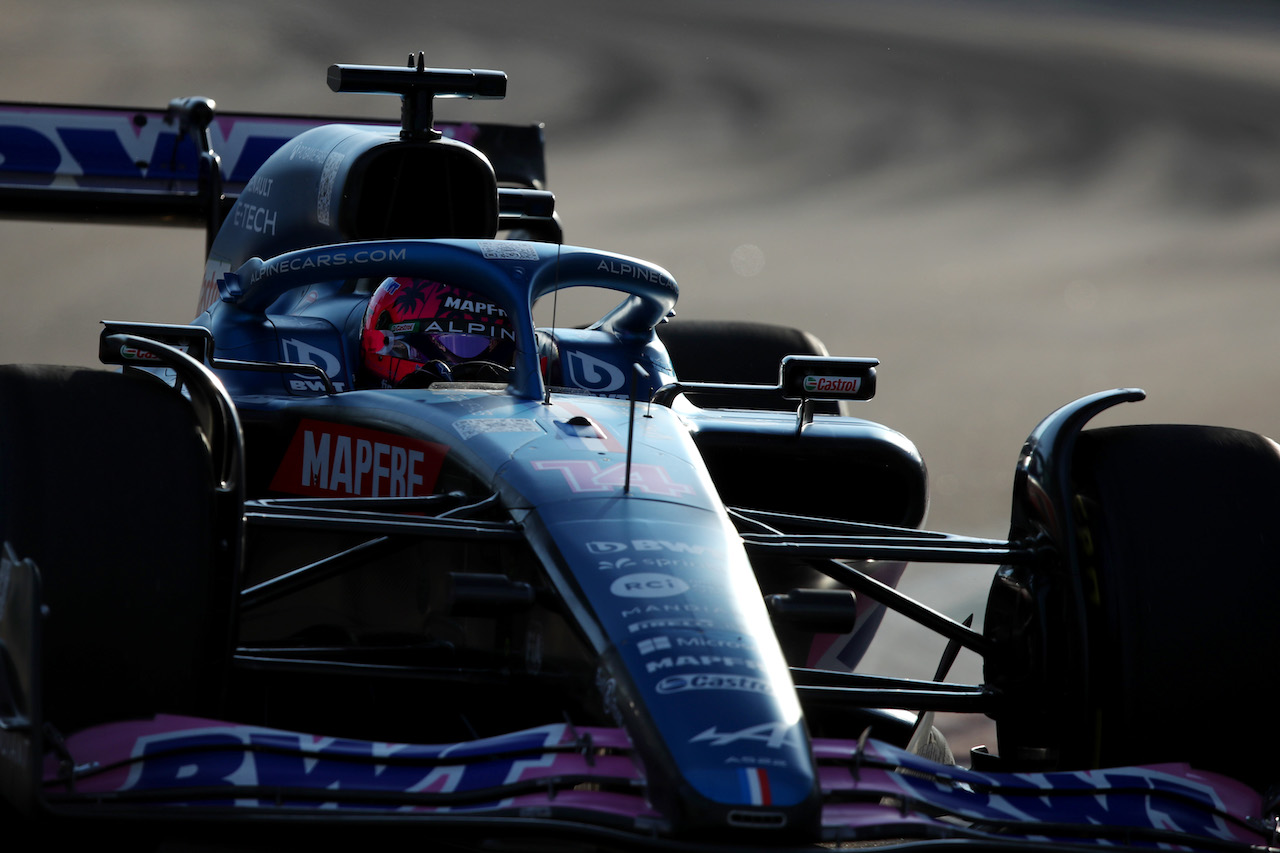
{"points": [[1009, 204]]}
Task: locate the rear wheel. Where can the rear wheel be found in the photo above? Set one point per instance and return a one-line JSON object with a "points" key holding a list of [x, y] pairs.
{"points": [[106, 484]]}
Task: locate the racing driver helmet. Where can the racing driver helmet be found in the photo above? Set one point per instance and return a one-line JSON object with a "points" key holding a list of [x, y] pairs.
{"points": [[417, 331]]}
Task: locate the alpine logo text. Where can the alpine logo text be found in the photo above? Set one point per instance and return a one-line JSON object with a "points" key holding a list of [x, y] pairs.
{"points": [[772, 735]]}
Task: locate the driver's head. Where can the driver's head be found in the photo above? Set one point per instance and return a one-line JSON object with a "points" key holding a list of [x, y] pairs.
{"points": [[416, 331]]}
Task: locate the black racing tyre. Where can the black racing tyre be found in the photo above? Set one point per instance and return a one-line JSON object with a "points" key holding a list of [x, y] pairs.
{"points": [[737, 352], [1181, 533], [106, 484]]}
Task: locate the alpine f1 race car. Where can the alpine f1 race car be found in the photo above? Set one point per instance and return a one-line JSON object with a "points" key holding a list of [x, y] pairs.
{"points": [[367, 556]]}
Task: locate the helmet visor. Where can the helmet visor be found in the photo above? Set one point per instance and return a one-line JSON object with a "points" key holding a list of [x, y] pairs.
{"points": [[466, 346]]}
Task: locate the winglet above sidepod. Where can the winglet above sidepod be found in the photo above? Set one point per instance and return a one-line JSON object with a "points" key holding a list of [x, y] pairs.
{"points": [[811, 377]]}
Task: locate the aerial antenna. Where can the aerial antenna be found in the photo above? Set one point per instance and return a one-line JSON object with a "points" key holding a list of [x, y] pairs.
{"points": [[636, 372], [555, 303]]}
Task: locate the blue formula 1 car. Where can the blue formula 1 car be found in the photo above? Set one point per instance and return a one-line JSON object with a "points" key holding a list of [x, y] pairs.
{"points": [[363, 555]]}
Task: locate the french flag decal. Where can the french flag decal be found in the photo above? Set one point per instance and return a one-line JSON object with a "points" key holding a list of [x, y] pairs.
{"points": [[755, 786]]}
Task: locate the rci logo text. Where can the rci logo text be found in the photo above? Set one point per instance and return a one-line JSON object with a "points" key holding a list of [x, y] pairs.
{"points": [[648, 585]]}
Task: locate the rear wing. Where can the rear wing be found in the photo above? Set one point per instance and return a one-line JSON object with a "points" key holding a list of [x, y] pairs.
{"points": [[185, 165]]}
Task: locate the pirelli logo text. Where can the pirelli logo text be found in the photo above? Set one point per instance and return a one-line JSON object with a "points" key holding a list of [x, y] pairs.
{"points": [[339, 460]]}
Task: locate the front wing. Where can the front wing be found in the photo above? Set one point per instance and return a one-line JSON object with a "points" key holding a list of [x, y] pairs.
{"points": [[587, 781]]}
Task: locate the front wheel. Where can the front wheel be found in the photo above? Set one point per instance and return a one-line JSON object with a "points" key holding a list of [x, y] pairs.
{"points": [[1159, 645], [107, 485]]}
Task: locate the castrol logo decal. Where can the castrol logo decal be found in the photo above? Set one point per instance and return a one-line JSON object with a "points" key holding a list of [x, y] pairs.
{"points": [[838, 384]]}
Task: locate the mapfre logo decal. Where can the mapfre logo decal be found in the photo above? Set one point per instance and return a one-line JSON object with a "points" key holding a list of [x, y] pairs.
{"points": [[338, 460]]}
